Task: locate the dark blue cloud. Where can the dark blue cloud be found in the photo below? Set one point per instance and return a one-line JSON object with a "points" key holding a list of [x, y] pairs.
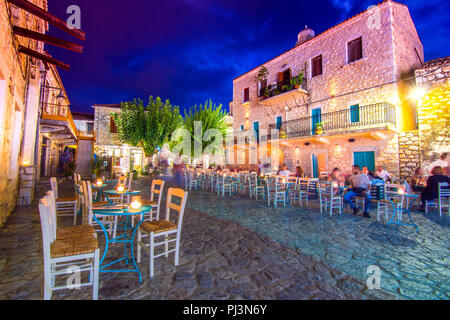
{"points": [[191, 50]]}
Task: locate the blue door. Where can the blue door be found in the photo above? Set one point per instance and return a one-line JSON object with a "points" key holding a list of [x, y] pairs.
{"points": [[354, 113], [365, 159], [315, 166], [316, 117], [256, 129]]}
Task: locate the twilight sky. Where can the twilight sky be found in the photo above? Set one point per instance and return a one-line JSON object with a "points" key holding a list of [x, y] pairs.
{"points": [[191, 50]]}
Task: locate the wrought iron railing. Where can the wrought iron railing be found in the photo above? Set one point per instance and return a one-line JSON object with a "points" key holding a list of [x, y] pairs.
{"points": [[359, 118]]}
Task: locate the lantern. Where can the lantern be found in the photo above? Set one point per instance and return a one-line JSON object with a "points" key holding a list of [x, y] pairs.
{"points": [[136, 202]]}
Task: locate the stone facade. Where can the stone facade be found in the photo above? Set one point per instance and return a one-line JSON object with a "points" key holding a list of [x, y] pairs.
{"points": [[390, 48], [18, 97], [424, 145], [120, 157]]}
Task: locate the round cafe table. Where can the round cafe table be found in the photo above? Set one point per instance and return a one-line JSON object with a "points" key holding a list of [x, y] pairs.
{"points": [[396, 201], [99, 190], [127, 237], [126, 192]]}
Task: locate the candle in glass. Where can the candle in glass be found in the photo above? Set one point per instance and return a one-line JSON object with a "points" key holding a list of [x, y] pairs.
{"points": [[135, 202]]}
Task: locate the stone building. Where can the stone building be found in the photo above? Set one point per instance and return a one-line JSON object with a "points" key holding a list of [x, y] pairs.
{"points": [[347, 107], [35, 119], [85, 146], [115, 157], [19, 100], [424, 144]]}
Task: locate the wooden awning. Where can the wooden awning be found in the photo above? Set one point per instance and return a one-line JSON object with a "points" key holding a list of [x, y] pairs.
{"points": [[44, 15], [47, 39]]}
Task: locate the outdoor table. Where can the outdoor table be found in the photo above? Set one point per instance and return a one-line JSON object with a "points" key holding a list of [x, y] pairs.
{"points": [[126, 192], [99, 190], [124, 238], [398, 209]]}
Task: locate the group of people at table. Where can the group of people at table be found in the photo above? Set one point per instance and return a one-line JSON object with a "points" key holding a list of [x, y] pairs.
{"points": [[361, 179]]}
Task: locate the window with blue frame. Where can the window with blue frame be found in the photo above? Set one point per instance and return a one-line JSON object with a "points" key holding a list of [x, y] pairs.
{"points": [[279, 122], [354, 113], [242, 127]]}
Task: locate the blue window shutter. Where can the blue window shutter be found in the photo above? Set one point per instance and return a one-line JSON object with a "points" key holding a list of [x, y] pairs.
{"points": [[354, 113]]}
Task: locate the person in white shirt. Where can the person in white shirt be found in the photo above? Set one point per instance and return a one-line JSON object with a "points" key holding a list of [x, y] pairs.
{"points": [[383, 174], [284, 171]]}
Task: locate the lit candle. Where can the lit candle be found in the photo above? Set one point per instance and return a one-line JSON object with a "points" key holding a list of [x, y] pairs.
{"points": [[99, 182], [136, 202], [283, 180], [401, 191], [335, 185], [120, 188]]}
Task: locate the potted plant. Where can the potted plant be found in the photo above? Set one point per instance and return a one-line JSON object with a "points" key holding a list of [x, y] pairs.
{"points": [[282, 134], [266, 93], [297, 81], [262, 74], [319, 128]]}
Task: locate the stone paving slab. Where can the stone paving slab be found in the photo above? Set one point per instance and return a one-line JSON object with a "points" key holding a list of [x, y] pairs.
{"points": [[219, 259]]}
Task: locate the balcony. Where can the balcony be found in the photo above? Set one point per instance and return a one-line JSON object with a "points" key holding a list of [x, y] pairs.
{"points": [[380, 116], [57, 120], [280, 89]]}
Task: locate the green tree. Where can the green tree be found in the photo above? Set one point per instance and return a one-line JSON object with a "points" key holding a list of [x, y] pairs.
{"points": [[211, 116], [148, 126]]}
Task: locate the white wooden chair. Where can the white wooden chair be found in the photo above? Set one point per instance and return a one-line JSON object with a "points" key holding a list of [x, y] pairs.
{"points": [[328, 199], [303, 190], [443, 197], [169, 231], [66, 232], [156, 192], [255, 189], [225, 184], [65, 256], [64, 206], [276, 191], [108, 221]]}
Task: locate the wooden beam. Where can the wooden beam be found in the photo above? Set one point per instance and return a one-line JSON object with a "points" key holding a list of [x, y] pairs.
{"points": [[47, 39], [44, 57], [44, 15]]}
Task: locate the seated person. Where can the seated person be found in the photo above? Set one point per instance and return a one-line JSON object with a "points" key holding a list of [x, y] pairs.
{"points": [[430, 192], [383, 174], [360, 187], [336, 178], [284, 171], [299, 172], [418, 180]]}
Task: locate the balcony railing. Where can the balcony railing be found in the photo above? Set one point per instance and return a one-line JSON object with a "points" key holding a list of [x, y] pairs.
{"points": [[56, 112], [279, 88], [368, 117]]}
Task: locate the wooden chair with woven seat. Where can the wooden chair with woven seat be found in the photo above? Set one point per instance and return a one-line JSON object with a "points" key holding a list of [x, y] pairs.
{"points": [[107, 220], [66, 232], [156, 192], [170, 231], [64, 206], [68, 255]]}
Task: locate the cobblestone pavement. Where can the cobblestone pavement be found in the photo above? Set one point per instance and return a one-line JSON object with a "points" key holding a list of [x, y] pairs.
{"points": [[236, 248]]}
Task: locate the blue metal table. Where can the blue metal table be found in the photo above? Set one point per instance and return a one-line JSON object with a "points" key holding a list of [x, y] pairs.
{"points": [[124, 238], [398, 209], [99, 190], [126, 192]]}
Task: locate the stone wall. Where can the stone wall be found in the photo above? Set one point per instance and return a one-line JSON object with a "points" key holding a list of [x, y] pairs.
{"points": [[409, 153], [104, 136], [389, 50], [421, 147], [15, 71]]}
